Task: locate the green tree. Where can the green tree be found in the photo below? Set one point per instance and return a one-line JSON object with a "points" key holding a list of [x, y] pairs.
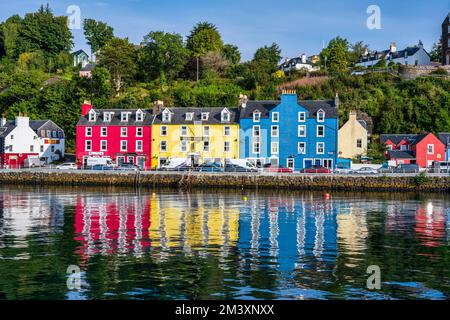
{"points": [[232, 53], [357, 50], [163, 56], [204, 38], [97, 34], [270, 55], [436, 52], [119, 57], [9, 31], [336, 55]]}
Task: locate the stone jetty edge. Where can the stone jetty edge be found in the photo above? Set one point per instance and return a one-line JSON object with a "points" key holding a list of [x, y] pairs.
{"points": [[231, 181]]}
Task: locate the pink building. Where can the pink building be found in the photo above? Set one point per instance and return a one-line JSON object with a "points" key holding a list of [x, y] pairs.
{"points": [[123, 135]]}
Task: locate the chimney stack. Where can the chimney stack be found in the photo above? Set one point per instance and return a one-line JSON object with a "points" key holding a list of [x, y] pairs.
{"points": [[393, 47], [336, 100], [86, 107], [353, 115], [303, 56], [158, 105], [2, 121], [243, 99], [22, 121]]}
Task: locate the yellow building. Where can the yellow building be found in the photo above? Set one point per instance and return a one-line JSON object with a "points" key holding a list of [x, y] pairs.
{"points": [[353, 138], [196, 134]]}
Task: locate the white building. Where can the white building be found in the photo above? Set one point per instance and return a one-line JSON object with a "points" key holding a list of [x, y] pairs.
{"points": [[21, 139], [299, 63], [412, 56]]}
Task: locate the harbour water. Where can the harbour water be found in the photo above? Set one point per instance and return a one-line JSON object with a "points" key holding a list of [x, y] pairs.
{"points": [[168, 244]]}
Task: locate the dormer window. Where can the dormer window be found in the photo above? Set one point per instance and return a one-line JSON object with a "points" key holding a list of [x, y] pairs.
{"points": [[166, 116], [225, 115], [320, 116], [256, 116], [205, 116], [124, 116], [92, 116], [139, 116], [189, 116], [107, 116]]}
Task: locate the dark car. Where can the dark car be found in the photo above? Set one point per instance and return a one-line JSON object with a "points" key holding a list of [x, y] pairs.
{"points": [[407, 168], [316, 169], [128, 167], [209, 167], [276, 168], [100, 167], [236, 168]]}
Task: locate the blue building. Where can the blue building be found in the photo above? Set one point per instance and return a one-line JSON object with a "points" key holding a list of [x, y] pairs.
{"points": [[445, 138], [290, 133]]}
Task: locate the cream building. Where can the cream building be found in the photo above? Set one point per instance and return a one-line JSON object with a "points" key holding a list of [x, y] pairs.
{"points": [[353, 138]]}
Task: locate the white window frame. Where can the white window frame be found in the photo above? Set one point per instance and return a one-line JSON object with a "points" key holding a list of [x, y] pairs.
{"points": [[86, 134], [323, 147], [161, 143], [124, 116], [206, 146], [258, 118], [92, 116], [304, 131], [105, 134], [227, 131], [302, 116], [205, 116], [166, 116], [259, 131], [107, 116], [274, 148], [277, 118], [183, 146], [86, 142], [358, 143], [183, 128], [254, 149], [321, 116], [299, 147], [225, 116], [141, 129], [206, 131], [226, 146], [189, 116], [139, 116], [101, 145], [432, 149], [123, 132], [323, 131], [161, 131], [277, 131], [122, 145], [141, 145]]}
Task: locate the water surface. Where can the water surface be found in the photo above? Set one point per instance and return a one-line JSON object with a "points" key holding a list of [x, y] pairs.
{"points": [[158, 244]]}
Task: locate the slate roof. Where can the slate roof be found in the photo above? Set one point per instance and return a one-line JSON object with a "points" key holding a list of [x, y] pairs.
{"points": [[179, 115], [396, 138], [88, 67], [377, 55], [445, 138], [294, 61], [313, 106], [419, 138], [78, 52], [116, 118], [396, 154], [364, 124], [35, 125]]}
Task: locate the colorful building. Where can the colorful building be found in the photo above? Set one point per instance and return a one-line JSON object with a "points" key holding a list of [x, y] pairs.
{"points": [[197, 134], [353, 138], [124, 135], [445, 138], [290, 133], [423, 149], [22, 139]]}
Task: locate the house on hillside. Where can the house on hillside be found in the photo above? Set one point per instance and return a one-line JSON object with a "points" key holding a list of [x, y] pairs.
{"points": [[298, 64], [422, 149], [80, 58], [353, 138], [86, 71], [413, 56]]}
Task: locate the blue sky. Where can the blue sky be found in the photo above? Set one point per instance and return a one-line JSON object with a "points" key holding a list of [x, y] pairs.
{"points": [[298, 26]]}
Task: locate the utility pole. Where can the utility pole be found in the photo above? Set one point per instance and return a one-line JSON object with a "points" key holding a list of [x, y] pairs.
{"points": [[198, 67]]}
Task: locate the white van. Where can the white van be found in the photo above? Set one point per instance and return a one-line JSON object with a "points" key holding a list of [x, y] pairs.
{"points": [[33, 162], [103, 161], [173, 164], [243, 163]]}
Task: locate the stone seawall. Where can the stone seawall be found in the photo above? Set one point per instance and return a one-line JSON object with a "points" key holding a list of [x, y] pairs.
{"points": [[233, 181]]}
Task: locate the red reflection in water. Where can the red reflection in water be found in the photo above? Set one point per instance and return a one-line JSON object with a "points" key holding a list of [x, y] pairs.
{"points": [[430, 225]]}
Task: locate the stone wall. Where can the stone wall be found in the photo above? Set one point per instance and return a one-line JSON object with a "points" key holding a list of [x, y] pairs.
{"points": [[417, 71], [233, 181]]}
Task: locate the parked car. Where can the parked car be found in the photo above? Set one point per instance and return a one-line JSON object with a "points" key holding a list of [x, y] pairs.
{"points": [[67, 166], [364, 170], [276, 168], [209, 167], [33, 163], [101, 167], [236, 168], [128, 167], [316, 169], [407, 168]]}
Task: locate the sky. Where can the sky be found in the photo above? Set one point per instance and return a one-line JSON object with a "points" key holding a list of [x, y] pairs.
{"points": [[297, 26]]}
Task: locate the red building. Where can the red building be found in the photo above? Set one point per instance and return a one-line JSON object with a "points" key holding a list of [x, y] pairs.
{"points": [[122, 135], [423, 149]]}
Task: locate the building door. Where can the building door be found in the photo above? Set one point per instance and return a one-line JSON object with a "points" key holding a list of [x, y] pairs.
{"points": [[328, 163], [308, 163], [130, 160], [13, 162], [317, 162], [140, 161]]}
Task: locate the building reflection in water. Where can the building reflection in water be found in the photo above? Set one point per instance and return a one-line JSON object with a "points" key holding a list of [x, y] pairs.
{"points": [[430, 224]]}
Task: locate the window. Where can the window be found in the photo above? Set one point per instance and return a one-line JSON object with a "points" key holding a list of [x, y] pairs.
{"points": [[103, 145], [256, 147], [256, 131], [320, 116], [226, 131], [320, 131], [274, 131], [42, 148], [52, 148], [359, 143], [139, 116], [42, 133], [166, 116], [290, 163], [430, 149], [163, 146], [31, 148], [123, 132], [10, 147], [54, 135], [189, 116], [206, 131], [301, 148], [205, 116], [124, 116], [183, 146], [120, 160], [104, 132], [139, 132], [274, 148], [328, 163], [225, 116], [163, 131], [138, 145], [320, 148], [88, 132], [107, 116], [301, 117], [92, 116], [123, 145], [88, 145], [226, 146], [256, 116], [130, 160], [275, 117], [12, 137], [302, 131], [206, 146], [49, 133], [183, 131]]}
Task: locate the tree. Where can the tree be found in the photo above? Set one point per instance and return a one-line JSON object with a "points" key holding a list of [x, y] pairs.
{"points": [[163, 56], [270, 55], [204, 38], [215, 61], [119, 57], [8, 36], [97, 34], [436, 52], [336, 55], [357, 50], [231, 53], [43, 31]]}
